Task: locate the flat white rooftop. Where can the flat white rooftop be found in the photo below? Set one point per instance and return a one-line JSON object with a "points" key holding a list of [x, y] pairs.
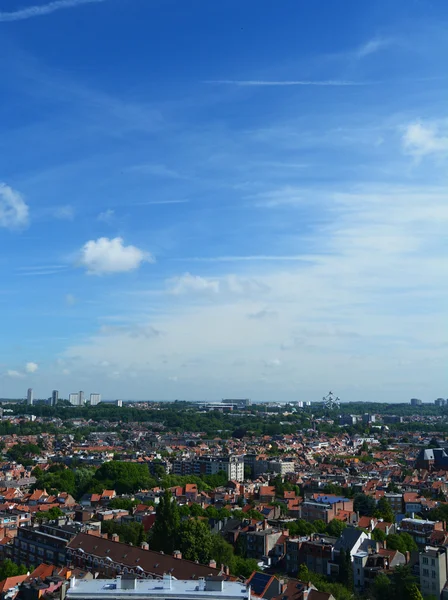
{"points": [[168, 587]]}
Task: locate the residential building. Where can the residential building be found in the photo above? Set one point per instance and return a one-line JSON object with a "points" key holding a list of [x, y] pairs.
{"points": [[258, 543], [110, 558], [432, 458], [81, 398], [126, 588], [46, 543], [433, 570], [396, 502], [317, 555], [420, 529], [238, 402], [95, 399], [325, 508], [265, 585], [440, 402], [233, 466], [30, 397], [54, 397], [74, 399], [416, 402], [368, 564]]}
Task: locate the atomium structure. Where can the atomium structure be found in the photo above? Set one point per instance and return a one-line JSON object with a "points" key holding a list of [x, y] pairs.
{"points": [[331, 401]]}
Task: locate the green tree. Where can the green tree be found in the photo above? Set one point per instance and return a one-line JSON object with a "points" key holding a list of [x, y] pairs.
{"points": [[130, 533], [243, 567], [123, 504], [196, 540], [221, 551], [10, 569], [319, 526], [50, 515], [345, 568], [196, 510], [414, 593], [402, 582], [364, 504], [384, 510], [164, 534], [378, 535], [382, 587], [124, 477], [336, 527]]}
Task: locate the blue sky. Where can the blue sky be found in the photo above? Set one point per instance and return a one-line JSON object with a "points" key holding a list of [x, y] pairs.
{"points": [[212, 199]]}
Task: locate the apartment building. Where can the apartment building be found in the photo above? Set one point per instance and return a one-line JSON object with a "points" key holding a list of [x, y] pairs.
{"points": [[420, 530], [110, 558], [233, 466], [46, 543], [169, 588], [258, 542], [433, 570], [396, 502], [325, 508]]}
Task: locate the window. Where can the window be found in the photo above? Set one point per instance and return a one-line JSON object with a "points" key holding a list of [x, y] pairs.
{"points": [[425, 560], [433, 562], [433, 574], [425, 573]]}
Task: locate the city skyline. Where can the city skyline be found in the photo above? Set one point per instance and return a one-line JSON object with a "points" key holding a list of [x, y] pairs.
{"points": [[235, 199]]}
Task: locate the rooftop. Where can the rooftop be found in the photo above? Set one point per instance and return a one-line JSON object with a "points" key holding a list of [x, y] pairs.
{"points": [[168, 587]]}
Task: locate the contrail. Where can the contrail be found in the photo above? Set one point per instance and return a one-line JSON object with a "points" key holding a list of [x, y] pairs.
{"points": [[44, 9]]}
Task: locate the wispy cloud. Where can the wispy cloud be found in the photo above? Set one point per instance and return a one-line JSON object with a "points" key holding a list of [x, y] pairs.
{"points": [[45, 9], [421, 139], [14, 212], [156, 170], [156, 202], [372, 46], [36, 270], [288, 82], [257, 257]]}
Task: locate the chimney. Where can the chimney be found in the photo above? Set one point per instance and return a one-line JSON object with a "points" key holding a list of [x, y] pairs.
{"points": [[115, 537], [283, 586], [144, 546], [177, 554], [265, 524], [212, 564]]}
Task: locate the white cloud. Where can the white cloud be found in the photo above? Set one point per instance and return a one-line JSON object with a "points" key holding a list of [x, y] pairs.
{"points": [[273, 363], [31, 367], [14, 374], [423, 139], [374, 292], [193, 283], [262, 314], [106, 216], [372, 46], [105, 256], [14, 212], [70, 299], [228, 285], [65, 213], [156, 170], [43, 9]]}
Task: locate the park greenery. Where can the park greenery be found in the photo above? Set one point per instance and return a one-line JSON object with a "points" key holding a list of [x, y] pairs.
{"points": [[192, 536]]}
